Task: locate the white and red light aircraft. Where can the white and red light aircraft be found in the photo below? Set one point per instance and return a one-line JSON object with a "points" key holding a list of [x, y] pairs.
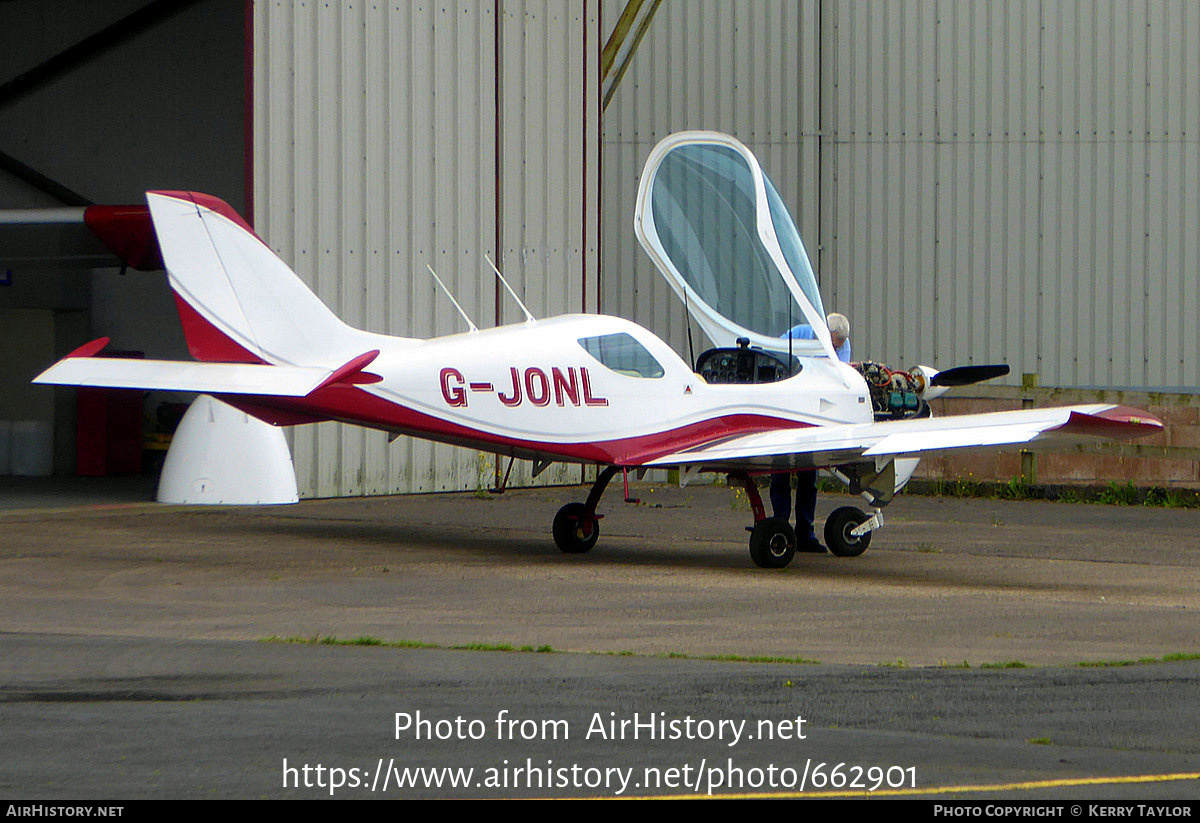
{"points": [[593, 389]]}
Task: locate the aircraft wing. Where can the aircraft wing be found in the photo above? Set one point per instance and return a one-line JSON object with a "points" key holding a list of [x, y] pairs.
{"points": [[821, 446]]}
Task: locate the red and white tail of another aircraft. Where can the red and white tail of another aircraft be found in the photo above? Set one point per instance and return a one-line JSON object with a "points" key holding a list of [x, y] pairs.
{"points": [[589, 389]]}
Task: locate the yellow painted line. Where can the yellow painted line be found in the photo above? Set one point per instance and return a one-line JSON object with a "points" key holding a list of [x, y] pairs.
{"points": [[935, 790]]}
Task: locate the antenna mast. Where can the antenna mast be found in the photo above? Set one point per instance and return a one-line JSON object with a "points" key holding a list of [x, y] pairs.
{"points": [[451, 296], [529, 318]]}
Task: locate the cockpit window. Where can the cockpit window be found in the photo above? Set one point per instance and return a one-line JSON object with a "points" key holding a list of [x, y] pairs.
{"points": [[623, 354]]}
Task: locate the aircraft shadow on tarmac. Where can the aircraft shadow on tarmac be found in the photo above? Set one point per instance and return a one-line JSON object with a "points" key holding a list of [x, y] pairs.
{"points": [[901, 564]]}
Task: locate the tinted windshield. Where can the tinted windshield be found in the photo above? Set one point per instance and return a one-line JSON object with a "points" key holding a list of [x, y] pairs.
{"points": [[793, 247], [703, 206]]}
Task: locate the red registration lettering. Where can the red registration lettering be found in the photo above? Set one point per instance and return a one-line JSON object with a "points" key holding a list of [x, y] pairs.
{"points": [[513, 399], [453, 394], [565, 386], [537, 386], [588, 398]]}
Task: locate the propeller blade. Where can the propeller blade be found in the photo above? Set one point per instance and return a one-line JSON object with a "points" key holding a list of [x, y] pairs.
{"points": [[966, 375]]}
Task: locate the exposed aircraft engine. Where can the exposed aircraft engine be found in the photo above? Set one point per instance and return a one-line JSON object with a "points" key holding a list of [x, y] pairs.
{"points": [[895, 394], [899, 395]]}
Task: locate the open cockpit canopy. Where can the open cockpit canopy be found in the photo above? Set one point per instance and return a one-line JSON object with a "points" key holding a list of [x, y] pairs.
{"points": [[715, 226]]}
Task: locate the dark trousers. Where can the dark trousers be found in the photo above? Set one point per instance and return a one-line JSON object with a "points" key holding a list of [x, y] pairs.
{"points": [[806, 500]]}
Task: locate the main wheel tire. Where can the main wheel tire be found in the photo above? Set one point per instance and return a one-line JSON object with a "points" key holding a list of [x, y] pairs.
{"points": [[772, 543], [575, 529], [837, 532]]}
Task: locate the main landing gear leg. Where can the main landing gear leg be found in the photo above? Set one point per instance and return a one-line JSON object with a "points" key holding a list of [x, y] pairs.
{"points": [[772, 541], [577, 526]]}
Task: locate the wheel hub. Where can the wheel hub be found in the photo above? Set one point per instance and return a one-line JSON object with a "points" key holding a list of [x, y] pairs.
{"points": [[583, 527]]}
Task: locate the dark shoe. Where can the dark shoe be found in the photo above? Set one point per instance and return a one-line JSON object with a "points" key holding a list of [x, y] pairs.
{"points": [[812, 546]]}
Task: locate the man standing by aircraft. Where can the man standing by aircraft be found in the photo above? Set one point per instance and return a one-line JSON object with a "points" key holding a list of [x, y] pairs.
{"points": [[806, 481]]}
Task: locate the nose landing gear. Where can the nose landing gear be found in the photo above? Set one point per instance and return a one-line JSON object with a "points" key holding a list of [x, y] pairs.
{"points": [[848, 530], [773, 541]]}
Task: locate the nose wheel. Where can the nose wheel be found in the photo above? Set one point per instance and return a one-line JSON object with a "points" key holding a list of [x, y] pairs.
{"points": [[842, 533]]}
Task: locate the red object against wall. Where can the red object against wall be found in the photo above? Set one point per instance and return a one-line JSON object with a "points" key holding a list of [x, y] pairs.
{"points": [[127, 232], [108, 429]]}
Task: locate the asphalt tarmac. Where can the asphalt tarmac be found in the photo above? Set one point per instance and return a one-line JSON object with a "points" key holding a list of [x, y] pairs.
{"points": [[137, 660]]}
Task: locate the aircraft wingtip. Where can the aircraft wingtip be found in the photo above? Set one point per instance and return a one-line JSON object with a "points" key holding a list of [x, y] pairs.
{"points": [[1116, 421], [1128, 414]]}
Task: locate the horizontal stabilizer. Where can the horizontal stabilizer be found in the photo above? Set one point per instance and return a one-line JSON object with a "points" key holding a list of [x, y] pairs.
{"points": [[176, 375]]}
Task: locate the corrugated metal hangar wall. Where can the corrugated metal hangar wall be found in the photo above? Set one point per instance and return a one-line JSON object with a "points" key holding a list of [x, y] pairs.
{"points": [[392, 136], [977, 182], [745, 68]]}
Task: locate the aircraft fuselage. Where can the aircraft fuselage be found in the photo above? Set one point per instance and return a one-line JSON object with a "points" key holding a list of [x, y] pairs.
{"points": [[534, 390]]}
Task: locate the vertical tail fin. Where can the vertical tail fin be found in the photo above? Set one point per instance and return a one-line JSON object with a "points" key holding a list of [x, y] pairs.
{"points": [[238, 302]]}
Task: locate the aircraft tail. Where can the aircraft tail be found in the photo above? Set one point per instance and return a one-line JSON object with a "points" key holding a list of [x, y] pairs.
{"points": [[237, 300], [256, 328]]}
